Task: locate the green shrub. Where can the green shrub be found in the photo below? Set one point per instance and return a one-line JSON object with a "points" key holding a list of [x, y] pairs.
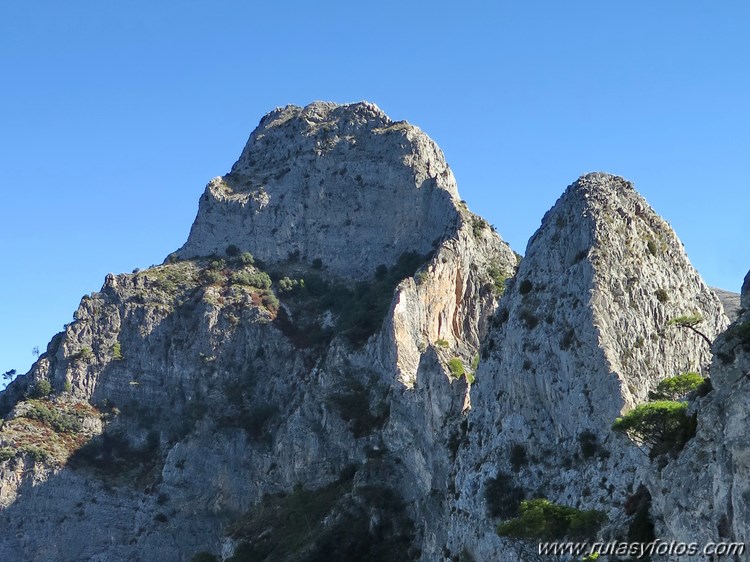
{"points": [[661, 295], [653, 249], [676, 388], [84, 355], [6, 453], [287, 285], [540, 519], [37, 454], [664, 425], [270, 301], [41, 389], [212, 277], [498, 278], [442, 343], [246, 258], [456, 368], [217, 264], [259, 279], [67, 387], [478, 225], [502, 496], [112, 456], [117, 352]]}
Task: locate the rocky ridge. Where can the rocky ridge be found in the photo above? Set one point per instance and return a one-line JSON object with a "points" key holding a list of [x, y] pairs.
{"points": [[366, 393]]}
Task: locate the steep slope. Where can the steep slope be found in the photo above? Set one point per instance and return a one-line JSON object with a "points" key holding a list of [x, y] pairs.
{"points": [[311, 182], [188, 401], [730, 301], [705, 494], [580, 336]]}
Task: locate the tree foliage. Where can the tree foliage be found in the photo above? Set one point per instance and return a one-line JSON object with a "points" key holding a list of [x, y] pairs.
{"points": [[689, 322], [677, 387], [540, 519], [664, 425]]}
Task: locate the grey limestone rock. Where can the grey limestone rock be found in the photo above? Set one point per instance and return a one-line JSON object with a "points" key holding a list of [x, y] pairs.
{"points": [[340, 183], [206, 398]]}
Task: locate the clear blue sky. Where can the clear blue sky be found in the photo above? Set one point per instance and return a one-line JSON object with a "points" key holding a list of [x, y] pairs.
{"points": [[114, 115]]}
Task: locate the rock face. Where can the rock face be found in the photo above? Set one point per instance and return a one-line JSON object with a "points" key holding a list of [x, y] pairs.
{"points": [[311, 181], [580, 336], [216, 390], [730, 301], [361, 392], [714, 469]]}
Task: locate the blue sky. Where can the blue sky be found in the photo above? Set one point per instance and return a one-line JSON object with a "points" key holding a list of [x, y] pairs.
{"points": [[113, 116]]}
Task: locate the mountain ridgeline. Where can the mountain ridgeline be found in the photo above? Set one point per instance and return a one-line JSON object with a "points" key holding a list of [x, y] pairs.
{"points": [[345, 363]]}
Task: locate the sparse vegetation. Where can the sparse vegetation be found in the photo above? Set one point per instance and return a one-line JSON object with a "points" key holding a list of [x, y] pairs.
{"points": [[528, 319], [357, 312], [478, 225], [498, 278], [442, 343], [690, 322], [661, 295], [246, 258], [46, 413], [41, 389], [364, 408], [456, 368], [259, 279], [540, 519], [335, 523], [117, 352], [588, 443]]}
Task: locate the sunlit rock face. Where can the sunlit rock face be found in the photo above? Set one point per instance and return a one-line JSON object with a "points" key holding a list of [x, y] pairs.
{"points": [[196, 405], [581, 335], [341, 183]]}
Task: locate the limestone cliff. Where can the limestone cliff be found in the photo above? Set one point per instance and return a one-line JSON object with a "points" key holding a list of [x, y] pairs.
{"points": [[705, 494], [580, 336], [312, 182], [205, 385], [344, 363]]}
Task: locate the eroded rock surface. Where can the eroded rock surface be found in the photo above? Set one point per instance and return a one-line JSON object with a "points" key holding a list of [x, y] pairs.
{"points": [[352, 389]]}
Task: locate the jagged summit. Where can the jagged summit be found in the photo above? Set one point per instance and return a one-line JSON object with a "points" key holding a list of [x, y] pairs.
{"points": [[602, 277], [340, 183]]}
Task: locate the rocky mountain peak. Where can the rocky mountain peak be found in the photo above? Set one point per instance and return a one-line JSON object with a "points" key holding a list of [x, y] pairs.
{"points": [[343, 184], [587, 316]]}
